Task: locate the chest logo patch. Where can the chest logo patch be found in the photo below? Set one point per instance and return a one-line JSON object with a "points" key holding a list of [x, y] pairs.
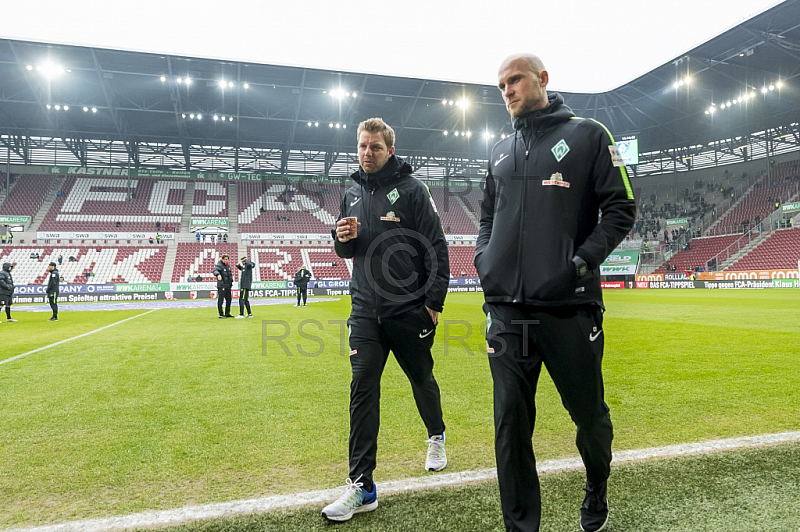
{"points": [[556, 180], [390, 217], [393, 196], [560, 150]]}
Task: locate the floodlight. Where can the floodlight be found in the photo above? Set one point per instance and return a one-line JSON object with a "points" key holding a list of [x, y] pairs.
{"points": [[94, 109], [179, 80], [163, 79], [779, 84], [246, 85]]}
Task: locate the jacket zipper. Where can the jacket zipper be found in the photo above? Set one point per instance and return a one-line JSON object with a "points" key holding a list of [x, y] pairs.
{"points": [[528, 146], [374, 292]]}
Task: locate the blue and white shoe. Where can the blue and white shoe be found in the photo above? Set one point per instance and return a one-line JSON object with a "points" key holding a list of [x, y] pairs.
{"points": [[355, 500]]}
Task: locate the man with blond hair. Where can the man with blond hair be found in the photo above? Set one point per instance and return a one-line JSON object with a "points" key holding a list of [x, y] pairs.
{"points": [[538, 255], [390, 228]]}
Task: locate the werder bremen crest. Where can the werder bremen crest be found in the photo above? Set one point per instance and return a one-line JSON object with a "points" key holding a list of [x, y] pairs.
{"points": [[560, 150], [393, 196]]}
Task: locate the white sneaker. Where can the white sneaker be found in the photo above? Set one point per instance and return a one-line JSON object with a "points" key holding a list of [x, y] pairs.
{"points": [[239, 317], [297, 305], [11, 320], [437, 458], [354, 501]]}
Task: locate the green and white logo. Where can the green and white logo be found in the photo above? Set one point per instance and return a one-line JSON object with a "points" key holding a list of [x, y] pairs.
{"points": [[393, 196], [560, 150]]}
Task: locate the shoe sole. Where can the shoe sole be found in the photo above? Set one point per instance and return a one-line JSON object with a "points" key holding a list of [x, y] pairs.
{"points": [[436, 469], [346, 517]]}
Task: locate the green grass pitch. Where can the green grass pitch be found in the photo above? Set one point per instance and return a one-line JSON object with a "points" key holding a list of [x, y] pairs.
{"points": [[178, 408]]}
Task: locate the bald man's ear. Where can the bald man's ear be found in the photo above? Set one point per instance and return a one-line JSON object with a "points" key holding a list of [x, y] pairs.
{"points": [[544, 78]]}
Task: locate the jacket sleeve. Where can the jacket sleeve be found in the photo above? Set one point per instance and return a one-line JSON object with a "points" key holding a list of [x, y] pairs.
{"points": [[429, 225], [345, 250], [487, 214], [249, 264], [614, 194], [240, 267], [4, 282], [216, 272]]}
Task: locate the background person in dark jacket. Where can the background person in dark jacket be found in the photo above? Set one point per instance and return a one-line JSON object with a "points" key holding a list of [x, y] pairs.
{"points": [[245, 282], [7, 290], [538, 255], [400, 278], [52, 289], [224, 277], [301, 279]]}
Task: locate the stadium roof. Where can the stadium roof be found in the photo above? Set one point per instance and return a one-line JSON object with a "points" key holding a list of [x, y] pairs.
{"points": [[270, 107]]}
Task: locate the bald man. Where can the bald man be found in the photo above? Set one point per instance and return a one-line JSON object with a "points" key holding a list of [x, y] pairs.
{"points": [[538, 255]]}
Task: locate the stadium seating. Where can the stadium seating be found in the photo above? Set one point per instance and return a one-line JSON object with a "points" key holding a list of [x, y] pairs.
{"points": [[27, 195], [461, 258], [311, 208], [98, 203], [781, 250], [122, 264], [199, 258], [781, 186], [451, 210], [279, 263], [701, 251], [210, 199]]}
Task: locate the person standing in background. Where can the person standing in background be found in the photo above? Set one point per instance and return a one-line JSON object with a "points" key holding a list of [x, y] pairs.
{"points": [[224, 276], [52, 289], [7, 290], [301, 279], [245, 282]]}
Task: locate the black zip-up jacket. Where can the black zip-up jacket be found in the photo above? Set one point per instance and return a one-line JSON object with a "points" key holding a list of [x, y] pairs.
{"points": [[544, 188], [6, 281], [227, 275], [400, 234], [246, 277], [301, 278], [52, 282]]}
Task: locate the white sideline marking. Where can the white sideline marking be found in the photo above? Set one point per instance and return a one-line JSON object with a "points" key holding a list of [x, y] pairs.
{"points": [[74, 337], [266, 504]]}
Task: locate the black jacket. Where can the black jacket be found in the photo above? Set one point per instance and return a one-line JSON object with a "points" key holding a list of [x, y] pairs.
{"points": [[544, 188], [52, 282], [6, 281], [401, 234], [246, 277], [301, 278], [227, 275]]}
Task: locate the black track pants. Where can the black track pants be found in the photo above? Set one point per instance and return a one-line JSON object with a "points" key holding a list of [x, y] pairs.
{"points": [[410, 338], [569, 341]]}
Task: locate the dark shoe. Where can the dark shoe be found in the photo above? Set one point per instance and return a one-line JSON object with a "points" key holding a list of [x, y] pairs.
{"points": [[222, 317], [594, 511], [228, 316], [53, 319]]}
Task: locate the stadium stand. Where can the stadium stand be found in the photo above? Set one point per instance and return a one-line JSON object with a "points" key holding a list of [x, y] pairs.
{"points": [[781, 250], [199, 258], [279, 263], [27, 195], [461, 258], [309, 207], [759, 201], [118, 264], [98, 203], [210, 199], [702, 249], [451, 210]]}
